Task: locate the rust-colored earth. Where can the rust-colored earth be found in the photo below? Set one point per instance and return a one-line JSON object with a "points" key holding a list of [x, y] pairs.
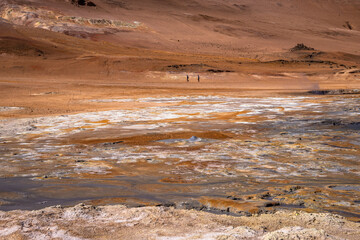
{"points": [[95, 107]]}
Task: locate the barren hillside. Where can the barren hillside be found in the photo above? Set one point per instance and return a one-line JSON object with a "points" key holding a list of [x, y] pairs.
{"points": [[258, 29]]}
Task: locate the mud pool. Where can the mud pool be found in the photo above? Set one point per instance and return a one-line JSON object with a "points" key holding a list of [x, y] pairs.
{"points": [[216, 153]]}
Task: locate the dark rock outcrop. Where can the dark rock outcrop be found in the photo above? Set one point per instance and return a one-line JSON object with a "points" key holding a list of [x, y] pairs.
{"points": [[301, 47], [82, 3]]}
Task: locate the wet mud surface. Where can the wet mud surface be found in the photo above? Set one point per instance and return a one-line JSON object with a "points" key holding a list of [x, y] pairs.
{"points": [[221, 154]]}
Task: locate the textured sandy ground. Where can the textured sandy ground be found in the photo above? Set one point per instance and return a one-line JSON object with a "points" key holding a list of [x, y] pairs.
{"points": [[58, 58], [119, 222]]}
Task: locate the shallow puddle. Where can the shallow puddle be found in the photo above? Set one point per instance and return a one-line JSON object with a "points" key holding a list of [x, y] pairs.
{"points": [[208, 146]]}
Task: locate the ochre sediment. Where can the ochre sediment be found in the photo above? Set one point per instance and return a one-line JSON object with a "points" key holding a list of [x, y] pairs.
{"points": [[186, 108]]}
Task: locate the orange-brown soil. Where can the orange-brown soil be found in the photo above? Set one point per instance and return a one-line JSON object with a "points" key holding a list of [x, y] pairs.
{"points": [[47, 72], [95, 107]]}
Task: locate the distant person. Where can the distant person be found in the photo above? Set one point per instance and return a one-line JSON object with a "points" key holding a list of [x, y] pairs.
{"points": [[198, 78], [187, 78]]}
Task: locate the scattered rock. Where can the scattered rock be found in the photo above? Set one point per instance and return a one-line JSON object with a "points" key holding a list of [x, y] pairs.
{"points": [[194, 67], [31, 128], [313, 54], [301, 47], [355, 71], [309, 62], [166, 205], [292, 189], [235, 198], [80, 161], [335, 92], [348, 25], [271, 204], [82, 3], [264, 195], [218, 70], [112, 143]]}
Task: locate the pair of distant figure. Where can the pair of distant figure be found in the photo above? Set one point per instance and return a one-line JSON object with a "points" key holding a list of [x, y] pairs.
{"points": [[187, 78]]}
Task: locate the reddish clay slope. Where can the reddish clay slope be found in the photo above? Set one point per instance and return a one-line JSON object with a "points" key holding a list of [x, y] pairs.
{"points": [[223, 26]]}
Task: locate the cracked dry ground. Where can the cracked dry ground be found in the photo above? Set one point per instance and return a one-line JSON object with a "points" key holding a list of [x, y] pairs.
{"points": [[222, 154]]}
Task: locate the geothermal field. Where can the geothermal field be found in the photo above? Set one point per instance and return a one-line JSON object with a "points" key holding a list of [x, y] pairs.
{"points": [[219, 119]]}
